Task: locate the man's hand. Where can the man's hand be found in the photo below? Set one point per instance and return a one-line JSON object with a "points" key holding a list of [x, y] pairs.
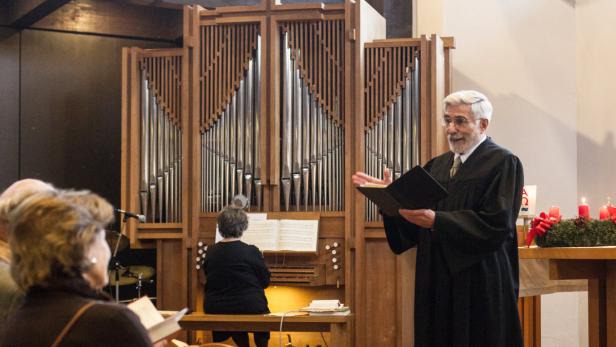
{"points": [[422, 218], [361, 178]]}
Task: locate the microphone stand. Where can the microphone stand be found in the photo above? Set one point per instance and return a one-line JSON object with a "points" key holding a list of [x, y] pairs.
{"points": [[114, 260]]}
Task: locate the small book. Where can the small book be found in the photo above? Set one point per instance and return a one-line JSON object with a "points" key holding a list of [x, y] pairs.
{"points": [[339, 312], [416, 189], [326, 308], [158, 327], [287, 314], [283, 235]]}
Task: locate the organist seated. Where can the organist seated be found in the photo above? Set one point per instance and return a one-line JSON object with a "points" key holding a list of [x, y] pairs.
{"points": [[236, 275]]}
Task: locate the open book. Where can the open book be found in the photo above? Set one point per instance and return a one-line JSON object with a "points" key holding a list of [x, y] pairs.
{"points": [[158, 327], [276, 235], [415, 189]]}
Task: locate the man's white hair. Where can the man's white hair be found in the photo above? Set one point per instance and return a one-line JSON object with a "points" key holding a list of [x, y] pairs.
{"points": [[481, 107]]}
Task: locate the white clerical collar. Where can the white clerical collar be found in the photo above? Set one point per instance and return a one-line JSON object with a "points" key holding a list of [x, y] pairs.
{"points": [[468, 153]]}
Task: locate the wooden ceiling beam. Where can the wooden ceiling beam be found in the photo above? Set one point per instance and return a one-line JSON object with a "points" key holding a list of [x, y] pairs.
{"points": [[116, 18], [23, 13]]}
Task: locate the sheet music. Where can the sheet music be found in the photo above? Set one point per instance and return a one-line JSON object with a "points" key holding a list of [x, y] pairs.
{"points": [[251, 217], [256, 217], [298, 235], [263, 234]]}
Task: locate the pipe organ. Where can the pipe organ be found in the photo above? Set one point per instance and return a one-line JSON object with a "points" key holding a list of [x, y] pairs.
{"points": [[281, 102], [391, 112]]}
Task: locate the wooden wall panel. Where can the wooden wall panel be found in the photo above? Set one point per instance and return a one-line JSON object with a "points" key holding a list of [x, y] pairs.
{"points": [[380, 288], [170, 262], [115, 18], [70, 109], [398, 14], [9, 106]]}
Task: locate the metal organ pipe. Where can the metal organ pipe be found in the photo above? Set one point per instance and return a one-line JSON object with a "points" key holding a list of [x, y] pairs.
{"points": [[311, 134], [160, 164], [232, 135], [392, 120], [317, 141]]}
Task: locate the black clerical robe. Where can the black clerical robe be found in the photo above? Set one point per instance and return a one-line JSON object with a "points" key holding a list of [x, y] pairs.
{"points": [[466, 283]]}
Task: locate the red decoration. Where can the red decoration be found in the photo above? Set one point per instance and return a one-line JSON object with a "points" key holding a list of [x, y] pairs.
{"points": [[584, 210], [554, 212], [604, 213], [540, 226]]}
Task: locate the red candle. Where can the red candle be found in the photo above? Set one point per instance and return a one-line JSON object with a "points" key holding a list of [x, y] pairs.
{"points": [[604, 213], [612, 210], [583, 209], [554, 212]]}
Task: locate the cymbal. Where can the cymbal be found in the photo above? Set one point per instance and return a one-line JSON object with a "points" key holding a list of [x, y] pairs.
{"points": [[136, 270], [114, 237], [130, 274], [123, 280]]}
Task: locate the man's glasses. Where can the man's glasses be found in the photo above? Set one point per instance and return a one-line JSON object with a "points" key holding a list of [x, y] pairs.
{"points": [[458, 121]]}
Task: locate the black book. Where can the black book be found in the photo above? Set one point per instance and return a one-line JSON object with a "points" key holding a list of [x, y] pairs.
{"points": [[414, 190]]}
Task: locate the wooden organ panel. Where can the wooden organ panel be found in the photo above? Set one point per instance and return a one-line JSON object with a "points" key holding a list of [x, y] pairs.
{"points": [[401, 105], [154, 120]]}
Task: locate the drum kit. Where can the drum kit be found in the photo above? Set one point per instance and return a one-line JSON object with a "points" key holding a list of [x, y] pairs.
{"points": [[120, 275]]}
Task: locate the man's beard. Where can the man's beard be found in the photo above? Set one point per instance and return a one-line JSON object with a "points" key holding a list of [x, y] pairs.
{"points": [[462, 143]]}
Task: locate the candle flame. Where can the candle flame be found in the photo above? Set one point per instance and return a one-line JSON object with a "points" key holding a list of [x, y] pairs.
{"points": [[583, 200]]}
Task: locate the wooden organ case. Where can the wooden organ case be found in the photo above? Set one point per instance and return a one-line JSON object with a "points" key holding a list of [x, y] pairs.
{"points": [[281, 103]]}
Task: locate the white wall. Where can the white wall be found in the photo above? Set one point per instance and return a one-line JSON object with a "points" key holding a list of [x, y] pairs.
{"points": [[596, 91], [522, 54]]}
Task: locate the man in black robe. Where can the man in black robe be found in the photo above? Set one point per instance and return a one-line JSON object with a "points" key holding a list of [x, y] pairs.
{"points": [[466, 284]]}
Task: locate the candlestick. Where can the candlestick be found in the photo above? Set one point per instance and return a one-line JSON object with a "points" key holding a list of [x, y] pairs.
{"points": [[584, 209], [604, 213], [554, 212]]}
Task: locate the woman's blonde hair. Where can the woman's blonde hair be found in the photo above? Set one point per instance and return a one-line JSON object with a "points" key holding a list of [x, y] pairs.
{"points": [[50, 233]]}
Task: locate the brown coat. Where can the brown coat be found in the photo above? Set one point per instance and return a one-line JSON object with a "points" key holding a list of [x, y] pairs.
{"points": [[46, 311]]}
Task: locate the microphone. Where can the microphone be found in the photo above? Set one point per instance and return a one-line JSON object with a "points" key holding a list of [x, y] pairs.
{"points": [[137, 216]]}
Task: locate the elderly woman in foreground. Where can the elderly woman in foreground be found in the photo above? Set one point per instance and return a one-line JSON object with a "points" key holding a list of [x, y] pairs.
{"points": [[59, 259]]}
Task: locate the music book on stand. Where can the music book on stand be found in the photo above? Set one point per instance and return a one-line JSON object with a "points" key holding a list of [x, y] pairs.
{"points": [[158, 327], [283, 235], [416, 189], [280, 235]]}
